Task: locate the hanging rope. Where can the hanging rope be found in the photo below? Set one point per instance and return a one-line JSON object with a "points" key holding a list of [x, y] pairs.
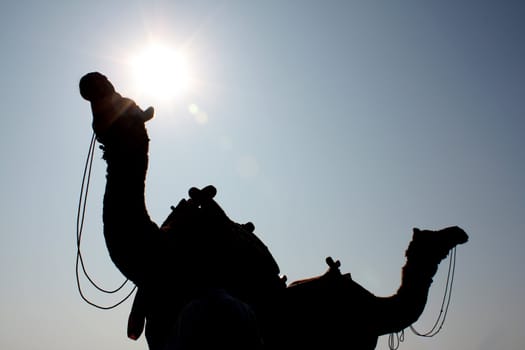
{"points": [[84, 190], [395, 339], [440, 321]]}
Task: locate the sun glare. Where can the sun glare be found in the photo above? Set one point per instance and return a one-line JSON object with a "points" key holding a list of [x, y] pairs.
{"points": [[161, 72]]}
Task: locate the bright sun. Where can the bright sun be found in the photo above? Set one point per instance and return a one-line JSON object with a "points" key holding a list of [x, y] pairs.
{"points": [[161, 72]]}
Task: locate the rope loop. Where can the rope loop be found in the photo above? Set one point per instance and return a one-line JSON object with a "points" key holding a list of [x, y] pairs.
{"points": [[394, 339], [82, 203]]}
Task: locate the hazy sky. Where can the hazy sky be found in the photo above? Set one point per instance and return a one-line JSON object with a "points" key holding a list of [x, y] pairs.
{"points": [[335, 126]]}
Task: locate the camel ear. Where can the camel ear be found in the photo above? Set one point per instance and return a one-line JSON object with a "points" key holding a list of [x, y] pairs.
{"points": [[148, 113], [415, 230]]}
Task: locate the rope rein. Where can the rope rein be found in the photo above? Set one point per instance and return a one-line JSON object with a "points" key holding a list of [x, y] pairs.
{"points": [[395, 339], [84, 190]]}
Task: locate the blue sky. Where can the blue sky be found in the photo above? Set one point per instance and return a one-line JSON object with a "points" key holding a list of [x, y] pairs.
{"points": [[335, 126]]}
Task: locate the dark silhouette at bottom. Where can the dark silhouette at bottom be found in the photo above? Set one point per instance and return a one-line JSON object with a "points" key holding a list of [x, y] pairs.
{"points": [[205, 281]]}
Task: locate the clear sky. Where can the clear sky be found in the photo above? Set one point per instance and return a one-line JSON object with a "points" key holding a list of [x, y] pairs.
{"points": [[335, 126]]}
